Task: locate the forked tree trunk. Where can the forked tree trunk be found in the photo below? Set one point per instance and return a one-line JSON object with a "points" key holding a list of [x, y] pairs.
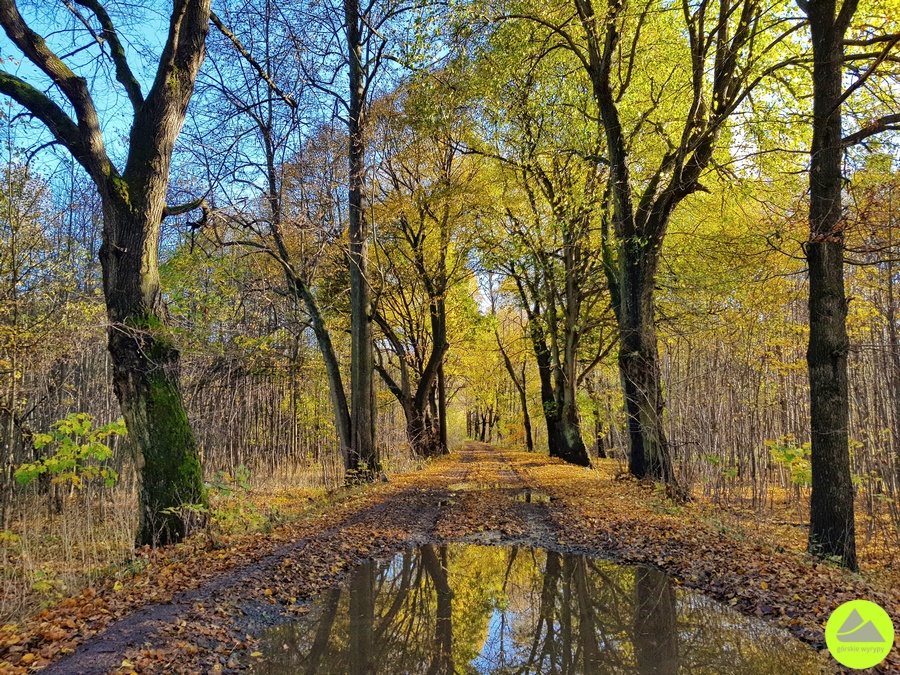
{"points": [[560, 413], [832, 531], [146, 374], [423, 438], [145, 361], [421, 407]]}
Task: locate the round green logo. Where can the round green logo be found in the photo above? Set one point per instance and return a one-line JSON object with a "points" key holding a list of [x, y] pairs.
{"points": [[859, 634]]}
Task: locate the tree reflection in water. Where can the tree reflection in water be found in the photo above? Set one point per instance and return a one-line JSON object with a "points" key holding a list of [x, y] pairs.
{"points": [[477, 609]]}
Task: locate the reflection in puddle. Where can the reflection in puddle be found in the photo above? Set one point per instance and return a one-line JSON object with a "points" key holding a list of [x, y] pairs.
{"points": [[470, 486], [481, 609], [530, 497]]}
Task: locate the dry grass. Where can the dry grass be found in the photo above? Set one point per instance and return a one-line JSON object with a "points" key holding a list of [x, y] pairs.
{"points": [[45, 556], [783, 522]]}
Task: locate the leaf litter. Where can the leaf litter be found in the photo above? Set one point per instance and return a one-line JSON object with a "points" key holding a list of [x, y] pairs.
{"points": [[198, 606]]}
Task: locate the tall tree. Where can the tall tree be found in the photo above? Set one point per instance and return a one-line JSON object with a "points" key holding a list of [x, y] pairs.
{"points": [[429, 197], [258, 101], [548, 235], [363, 455], [832, 530], [145, 360], [362, 30], [722, 38]]}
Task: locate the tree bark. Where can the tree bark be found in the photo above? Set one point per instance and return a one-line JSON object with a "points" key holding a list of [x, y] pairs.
{"points": [[894, 347], [526, 416], [442, 411], [563, 432], [649, 454], [832, 530], [146, 377], [332, 366]]}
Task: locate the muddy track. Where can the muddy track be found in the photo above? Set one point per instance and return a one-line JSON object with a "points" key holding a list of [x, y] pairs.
{"points": [[418, 511], [479, 495]]}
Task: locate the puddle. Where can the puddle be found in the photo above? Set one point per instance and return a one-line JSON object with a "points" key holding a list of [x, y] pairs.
{"points": [[486, 609], [472, 486], [530, 497]]}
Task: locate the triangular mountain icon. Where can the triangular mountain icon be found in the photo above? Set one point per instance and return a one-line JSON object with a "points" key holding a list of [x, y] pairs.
{"points": [[855, 629]]}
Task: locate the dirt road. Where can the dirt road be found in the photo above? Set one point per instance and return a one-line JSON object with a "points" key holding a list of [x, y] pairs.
{"points": [[479, 495]]}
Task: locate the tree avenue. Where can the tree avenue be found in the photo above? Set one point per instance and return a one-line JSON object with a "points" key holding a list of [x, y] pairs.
{"points": [[339, 239]]}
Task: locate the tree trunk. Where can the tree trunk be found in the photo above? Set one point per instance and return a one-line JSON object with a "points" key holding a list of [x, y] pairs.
{"points": [[146, 374], [648, 449], [421, 408], [563, 433], [599, 438], [894, 347], [145, 362], [363, 459], [442, 411], [490, 424], [832, 529], [520, 388], [332, 367], [423, 439], [572, 449], [526, 416]]}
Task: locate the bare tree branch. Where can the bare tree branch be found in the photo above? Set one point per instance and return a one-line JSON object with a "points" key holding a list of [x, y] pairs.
{"points": [[264, 76]]}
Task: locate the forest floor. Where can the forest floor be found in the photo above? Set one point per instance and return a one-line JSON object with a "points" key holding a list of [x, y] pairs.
{"points": [[199, 606]]}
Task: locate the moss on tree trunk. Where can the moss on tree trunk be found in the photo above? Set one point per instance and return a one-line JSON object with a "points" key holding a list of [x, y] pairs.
{"points": [[146, 376]]}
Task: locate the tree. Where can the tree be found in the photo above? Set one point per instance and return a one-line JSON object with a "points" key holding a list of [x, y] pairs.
{"points": [[832, 530], [506, 325], [363, 454], [30, 307], [293, 170], [430, 198], [354, 39], [654, 159], [547, 233], [723, 39], [145, 359]]}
